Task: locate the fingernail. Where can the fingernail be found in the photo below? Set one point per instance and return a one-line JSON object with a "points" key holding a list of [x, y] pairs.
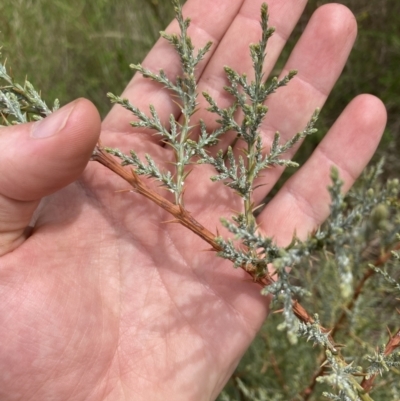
{"points": [[52, 124]]}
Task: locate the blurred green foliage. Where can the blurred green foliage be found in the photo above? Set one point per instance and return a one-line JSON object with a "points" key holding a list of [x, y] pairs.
{"points": [[83, 48], [79, 48]]}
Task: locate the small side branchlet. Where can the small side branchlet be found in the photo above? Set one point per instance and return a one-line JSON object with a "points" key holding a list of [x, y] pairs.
{"points": [[342, 378], [380, 362], [249, 97]]}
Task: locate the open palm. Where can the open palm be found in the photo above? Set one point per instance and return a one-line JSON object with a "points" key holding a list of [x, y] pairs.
{"points": [[102, 299]]}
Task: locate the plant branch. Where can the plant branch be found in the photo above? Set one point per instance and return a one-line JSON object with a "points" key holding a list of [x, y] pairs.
{"points": [[182, 217]]}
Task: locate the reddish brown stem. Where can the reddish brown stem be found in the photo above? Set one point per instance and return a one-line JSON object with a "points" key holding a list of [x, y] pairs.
{"points": [[182, 215]]}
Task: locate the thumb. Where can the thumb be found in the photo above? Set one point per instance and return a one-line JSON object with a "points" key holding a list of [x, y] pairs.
{"points": [[38, 159]]}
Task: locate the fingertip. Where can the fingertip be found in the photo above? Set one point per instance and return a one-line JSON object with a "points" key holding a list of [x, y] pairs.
{"points": [[82, 130], [338, 19], [371, 111], [359, 127]]}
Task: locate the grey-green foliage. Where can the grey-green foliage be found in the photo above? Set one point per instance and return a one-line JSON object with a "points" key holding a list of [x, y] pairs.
{"points": [[341, 378], [249, 98], [20, 103], [149, 169], [313, 332], [381, 363]]}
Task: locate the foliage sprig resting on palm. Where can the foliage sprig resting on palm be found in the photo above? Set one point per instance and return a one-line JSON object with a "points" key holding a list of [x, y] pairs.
{"points": [[237, 173]]}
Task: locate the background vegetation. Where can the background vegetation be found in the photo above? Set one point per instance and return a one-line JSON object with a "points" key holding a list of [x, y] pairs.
{"points": [[83, 48]]}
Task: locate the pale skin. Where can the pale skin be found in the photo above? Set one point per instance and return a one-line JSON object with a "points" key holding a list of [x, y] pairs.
{"points": [[103, 300]]}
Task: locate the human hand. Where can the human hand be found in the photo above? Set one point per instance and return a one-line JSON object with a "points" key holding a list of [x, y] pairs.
{"points": [[105, 301]]}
